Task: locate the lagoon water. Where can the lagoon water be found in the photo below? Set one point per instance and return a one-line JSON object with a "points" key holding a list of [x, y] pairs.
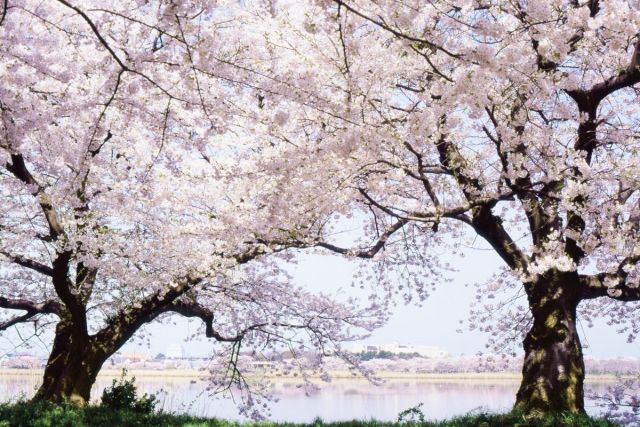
{"points": [[336, 401]]}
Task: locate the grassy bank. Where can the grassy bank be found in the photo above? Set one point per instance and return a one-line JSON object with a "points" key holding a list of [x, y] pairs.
{"points": [[47, 415]]}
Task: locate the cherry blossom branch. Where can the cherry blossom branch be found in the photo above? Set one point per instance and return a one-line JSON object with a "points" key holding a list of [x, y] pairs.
{"points": [[127, 321], [61, 267], [541, 221], [47, 307], [5, 6], [137, 21], [588, 100], [612, 285], [28, 263], [372, 250], [112, 53], [193, 309], [276, 245], [195, 72], [423, 177], [17, 320], [621, 401], [19, 169], [380, 23], [263, 247], [457, 212], [95, 31], [625, 78], [594, 287], [345, 57], [484, 222]]}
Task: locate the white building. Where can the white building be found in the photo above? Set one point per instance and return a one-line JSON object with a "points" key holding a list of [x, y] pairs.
{"points": [[396, 348]]}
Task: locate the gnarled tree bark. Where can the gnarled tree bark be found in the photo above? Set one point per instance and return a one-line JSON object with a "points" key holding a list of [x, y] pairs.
{"points": [[553, 370], [72, 367], [77, 357]]}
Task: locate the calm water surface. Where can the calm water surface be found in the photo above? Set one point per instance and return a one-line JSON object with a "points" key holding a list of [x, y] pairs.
{"points": [[340, 400]]}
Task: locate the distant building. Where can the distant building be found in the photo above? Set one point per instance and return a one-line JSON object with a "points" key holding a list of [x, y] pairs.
{"points": [[136, 357], [262, 364], [430, 351]]}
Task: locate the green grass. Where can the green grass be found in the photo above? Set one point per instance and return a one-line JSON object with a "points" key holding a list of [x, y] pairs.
{"points": [[40, 414]]}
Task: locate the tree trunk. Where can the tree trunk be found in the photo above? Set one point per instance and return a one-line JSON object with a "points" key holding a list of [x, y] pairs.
{"points": [[553, 370], [71, 369]]}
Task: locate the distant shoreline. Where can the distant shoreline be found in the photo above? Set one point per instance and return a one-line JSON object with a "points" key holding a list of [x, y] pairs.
{"points": [[337, 376]]}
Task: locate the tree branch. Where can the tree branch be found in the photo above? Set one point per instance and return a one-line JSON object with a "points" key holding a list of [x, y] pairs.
{"points": [[126, 322], [283, 244], [60, 268], [5, 5], [371, 251], [193, 309], [484, 222], [19, 169], [17, 319], [588, 100], [595, 286], [540, 221], [380, 23], [625, 78], [47, 307], [95, 31], [28, 263]]}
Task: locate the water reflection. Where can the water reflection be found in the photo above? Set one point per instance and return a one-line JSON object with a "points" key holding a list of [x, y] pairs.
{"points": [[339, 400]]}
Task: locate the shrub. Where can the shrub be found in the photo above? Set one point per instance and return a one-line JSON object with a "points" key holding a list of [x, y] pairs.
{"points": [[123, 395], [412, 415]]}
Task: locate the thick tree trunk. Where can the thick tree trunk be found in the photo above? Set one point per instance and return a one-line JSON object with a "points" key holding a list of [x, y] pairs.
{"points": [[72, 367], [553, 370]]}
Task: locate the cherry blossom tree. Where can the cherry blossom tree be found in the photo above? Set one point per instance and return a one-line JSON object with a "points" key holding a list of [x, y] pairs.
{"points": [[512, 121], [129, 192], [621, 402], [152, 147]]}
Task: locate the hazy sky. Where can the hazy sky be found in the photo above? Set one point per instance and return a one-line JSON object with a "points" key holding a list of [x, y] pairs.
{"points": [[436, 322]]}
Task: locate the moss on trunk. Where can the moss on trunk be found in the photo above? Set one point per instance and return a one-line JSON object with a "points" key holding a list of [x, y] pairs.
{"points": [[553, 369], [72, 367]]}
